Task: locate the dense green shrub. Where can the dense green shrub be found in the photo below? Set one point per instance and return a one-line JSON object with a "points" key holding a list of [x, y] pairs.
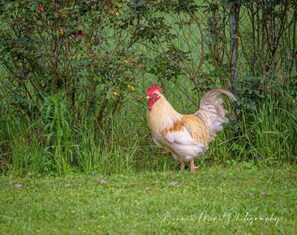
{"points": [[69, 47]]}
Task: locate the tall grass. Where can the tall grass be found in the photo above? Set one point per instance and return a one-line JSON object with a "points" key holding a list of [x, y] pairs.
{"points": [[53, 145], [272, 135], [19, 146]]}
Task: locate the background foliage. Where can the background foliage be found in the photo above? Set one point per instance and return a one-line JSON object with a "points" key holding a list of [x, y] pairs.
{"points": [[74, 75]]}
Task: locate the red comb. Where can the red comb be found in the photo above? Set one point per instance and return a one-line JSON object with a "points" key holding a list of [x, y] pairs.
{"points": [[152, 89]]}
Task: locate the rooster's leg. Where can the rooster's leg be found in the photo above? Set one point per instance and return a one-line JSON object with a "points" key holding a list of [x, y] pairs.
{"points": [[193, 168], [182, 165]]}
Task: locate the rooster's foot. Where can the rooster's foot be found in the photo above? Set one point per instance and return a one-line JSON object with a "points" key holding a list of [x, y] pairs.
{"points": [[193, 168]]}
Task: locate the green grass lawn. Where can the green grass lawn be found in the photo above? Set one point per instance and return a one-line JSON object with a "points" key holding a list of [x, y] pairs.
{"points": [[215, 200]]}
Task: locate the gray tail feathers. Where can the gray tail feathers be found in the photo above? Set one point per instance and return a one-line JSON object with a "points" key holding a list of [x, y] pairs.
{"points": [[212, 111]]}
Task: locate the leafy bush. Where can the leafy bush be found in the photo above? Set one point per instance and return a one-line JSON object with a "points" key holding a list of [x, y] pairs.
{"points": [[73, 48]]}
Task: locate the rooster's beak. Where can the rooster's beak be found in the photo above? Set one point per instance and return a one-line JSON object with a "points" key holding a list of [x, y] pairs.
{"points": [[148, 97]]}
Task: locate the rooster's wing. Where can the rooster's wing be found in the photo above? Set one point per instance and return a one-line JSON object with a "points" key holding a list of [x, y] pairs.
{"points": [[186, 138]]}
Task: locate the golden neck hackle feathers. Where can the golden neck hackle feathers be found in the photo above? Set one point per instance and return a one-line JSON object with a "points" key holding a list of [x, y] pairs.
{"points": [[162, 115]]}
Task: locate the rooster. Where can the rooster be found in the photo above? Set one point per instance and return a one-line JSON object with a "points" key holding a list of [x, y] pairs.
{"points": [[185, 136]]}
